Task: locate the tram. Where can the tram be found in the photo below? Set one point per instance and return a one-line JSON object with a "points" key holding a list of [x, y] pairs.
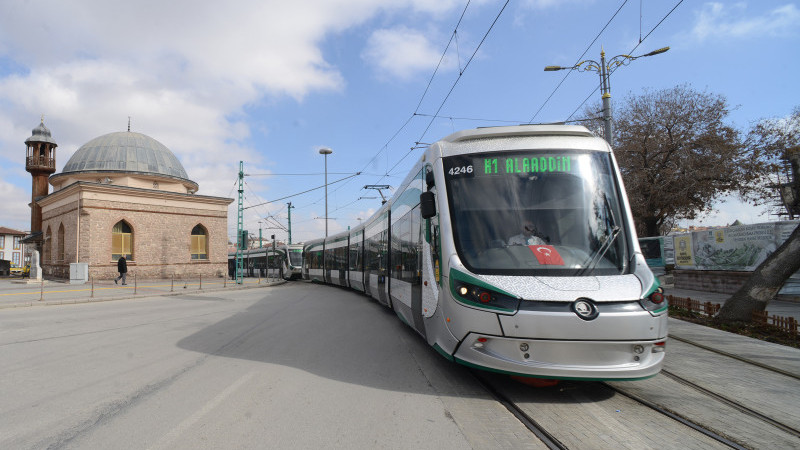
{"points": [[291, 258], [513, 250], [259, 262]]}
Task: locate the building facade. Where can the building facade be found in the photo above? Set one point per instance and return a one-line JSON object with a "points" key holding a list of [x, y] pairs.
{"points": [[126, 194], [11, 246]]}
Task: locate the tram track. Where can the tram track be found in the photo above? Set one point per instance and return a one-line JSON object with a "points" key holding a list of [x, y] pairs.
{"points": [[530, 423], [736, 357], [733, 403], [677, 417], [586, 390], [549, 438]]}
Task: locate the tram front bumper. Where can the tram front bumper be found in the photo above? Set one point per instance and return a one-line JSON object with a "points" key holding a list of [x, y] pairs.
{"points": [[561, 359]]}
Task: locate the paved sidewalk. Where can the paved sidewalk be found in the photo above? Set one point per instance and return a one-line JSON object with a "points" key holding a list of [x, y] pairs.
{"points": [[14, 294]]}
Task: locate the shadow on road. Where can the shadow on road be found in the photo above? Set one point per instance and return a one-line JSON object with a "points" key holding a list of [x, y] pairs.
{"points": [[342, 335]]}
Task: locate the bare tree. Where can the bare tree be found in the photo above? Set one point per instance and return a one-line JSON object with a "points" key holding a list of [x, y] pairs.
{"points": [[677, 155], [777, 143]]}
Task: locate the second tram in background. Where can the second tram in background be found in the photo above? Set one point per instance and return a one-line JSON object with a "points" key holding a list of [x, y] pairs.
{"points": [[286, 262], [511, 249]]}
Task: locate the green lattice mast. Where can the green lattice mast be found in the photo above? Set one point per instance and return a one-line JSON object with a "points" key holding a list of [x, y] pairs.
{"points": [[240, 227]]}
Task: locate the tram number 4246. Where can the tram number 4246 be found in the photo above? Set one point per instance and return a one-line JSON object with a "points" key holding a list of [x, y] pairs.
{"points": [[462, 170]]}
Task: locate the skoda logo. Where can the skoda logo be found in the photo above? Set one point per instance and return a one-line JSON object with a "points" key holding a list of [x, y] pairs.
{"points": [[585, 309]]}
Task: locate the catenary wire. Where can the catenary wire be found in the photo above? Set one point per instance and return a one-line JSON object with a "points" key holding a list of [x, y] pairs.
{"points": [[588, 47], [632, 50], [452, 88]]}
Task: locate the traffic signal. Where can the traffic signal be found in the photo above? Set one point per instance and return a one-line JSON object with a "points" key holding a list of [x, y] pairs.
{"points": [[243, 240]]}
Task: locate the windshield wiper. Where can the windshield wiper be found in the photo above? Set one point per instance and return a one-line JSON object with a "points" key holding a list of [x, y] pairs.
{"points": [[602, 250]]}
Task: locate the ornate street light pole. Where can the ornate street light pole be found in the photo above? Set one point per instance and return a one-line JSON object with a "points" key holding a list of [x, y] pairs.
{"points": [[604, 69]]}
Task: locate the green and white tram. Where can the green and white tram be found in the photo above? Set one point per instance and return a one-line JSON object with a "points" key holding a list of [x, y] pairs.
{"points": [[511, 249], [291, 261]]}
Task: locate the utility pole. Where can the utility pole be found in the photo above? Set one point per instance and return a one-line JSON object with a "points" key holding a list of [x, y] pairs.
{"points": [[290, 222], [326, 151]]}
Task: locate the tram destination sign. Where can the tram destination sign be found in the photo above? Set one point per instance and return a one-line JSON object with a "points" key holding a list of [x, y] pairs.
{"points": [[470, 166]]}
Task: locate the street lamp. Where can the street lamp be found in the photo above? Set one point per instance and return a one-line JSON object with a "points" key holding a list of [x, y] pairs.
{"points": [[604, 69], [326, 151]]}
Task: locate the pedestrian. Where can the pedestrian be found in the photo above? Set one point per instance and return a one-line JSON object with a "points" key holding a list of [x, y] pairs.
{"points": [[122, 268]]}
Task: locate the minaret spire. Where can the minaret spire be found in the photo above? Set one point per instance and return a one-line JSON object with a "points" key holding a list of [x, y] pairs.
{"points": [[40, 161], [129, 124]]}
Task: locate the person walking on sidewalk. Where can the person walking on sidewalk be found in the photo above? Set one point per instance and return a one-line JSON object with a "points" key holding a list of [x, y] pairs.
{"points": [[122, 268]]}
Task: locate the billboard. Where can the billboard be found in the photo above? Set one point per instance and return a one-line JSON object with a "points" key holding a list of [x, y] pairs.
{"points": [[739, 248]]}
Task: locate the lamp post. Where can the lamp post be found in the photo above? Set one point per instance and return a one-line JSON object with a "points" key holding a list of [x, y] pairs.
{"points": [[604, 69], [326, 151]]}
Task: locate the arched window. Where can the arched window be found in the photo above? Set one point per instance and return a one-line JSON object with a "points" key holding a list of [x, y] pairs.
{"points": [[48, 245], [199, 246], [121, 241], [60, 247]]}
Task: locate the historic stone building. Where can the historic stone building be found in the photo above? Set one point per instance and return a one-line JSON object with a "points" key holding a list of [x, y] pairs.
{"points": [[126, 194]]}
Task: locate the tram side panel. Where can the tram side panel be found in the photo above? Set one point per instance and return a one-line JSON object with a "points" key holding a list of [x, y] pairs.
{"points": [[336, 254], [376, 257], [405, 284], [355, 271], [313, 259]]}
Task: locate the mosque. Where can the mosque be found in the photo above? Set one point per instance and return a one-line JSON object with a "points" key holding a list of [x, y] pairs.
{"points": [[122, 194]]}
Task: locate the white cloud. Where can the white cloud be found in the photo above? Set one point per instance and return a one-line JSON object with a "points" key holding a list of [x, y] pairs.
{"points": [[402, 53], [183, 70], [725, 21]]}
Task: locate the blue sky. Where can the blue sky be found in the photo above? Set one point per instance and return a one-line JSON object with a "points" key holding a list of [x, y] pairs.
{"points": [[271, 82]]}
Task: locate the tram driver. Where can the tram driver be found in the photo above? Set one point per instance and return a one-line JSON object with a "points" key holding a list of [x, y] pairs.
{"points": [[529, 236]]}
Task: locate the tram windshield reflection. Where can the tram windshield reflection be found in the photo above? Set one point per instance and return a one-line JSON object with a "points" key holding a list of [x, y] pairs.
{"points": [[554, 213]]}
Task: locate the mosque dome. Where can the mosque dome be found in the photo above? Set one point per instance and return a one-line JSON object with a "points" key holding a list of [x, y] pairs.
{"points": [[125, 151], [129, 155]]}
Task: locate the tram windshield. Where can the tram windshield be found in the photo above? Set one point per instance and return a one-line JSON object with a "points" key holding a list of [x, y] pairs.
{"points": [[550, 213], [296, 256]]}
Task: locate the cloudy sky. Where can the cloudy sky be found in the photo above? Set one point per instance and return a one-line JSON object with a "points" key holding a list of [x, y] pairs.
{"points": [[271, 82]]}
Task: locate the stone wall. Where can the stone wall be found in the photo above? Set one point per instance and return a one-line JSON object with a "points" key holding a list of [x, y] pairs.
{"points": [[726, 282], [161, 240], [66, 216], [161, 227]]}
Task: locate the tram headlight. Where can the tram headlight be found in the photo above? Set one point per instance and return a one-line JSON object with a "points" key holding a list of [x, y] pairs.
{"points": [[483, 297]]}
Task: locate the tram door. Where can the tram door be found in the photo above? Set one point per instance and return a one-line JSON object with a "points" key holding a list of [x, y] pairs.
{"points": [[415, 269], [383, 268]]}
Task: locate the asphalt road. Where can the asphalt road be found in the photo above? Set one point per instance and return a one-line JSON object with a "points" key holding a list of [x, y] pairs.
{"points": [[290, 366]]}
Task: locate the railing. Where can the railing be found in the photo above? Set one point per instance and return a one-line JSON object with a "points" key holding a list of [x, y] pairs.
{"points": [[707, 308], [40, 161], [785, 324]]}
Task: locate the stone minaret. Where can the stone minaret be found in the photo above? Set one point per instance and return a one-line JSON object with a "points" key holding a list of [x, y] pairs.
{"points": [[40, 162]]}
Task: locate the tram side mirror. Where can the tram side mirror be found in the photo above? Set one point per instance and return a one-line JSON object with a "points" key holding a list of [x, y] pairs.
{"points": [[427, 204], [429, 180]]}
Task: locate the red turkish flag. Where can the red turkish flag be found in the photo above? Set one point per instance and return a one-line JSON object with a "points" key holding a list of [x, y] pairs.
{"points": [[547, 255]]}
